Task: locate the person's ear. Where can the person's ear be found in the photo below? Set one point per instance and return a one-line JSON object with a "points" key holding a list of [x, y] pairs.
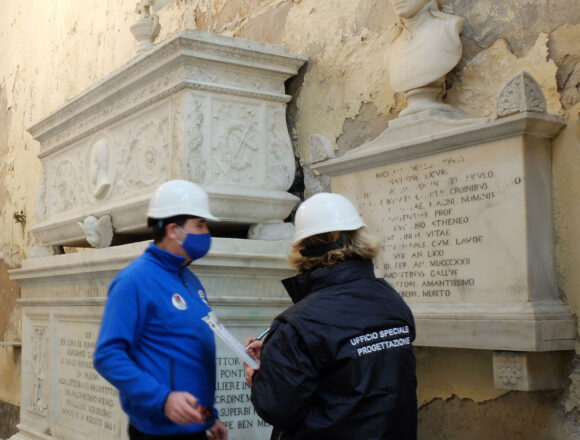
{"points": [[171, 230]]}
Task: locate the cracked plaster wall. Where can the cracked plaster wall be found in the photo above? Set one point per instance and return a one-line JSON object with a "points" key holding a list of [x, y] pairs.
{"points": [[51, 51]]}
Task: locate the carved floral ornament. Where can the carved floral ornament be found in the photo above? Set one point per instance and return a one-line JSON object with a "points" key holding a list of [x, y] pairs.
{"points": [[520, 93]]}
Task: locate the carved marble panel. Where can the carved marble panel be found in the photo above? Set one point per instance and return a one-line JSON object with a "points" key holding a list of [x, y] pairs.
{"points": [[39, 391], [238, 143], [198, 106], [191, 135], [130, 157], [36, 363], [144, 157]]}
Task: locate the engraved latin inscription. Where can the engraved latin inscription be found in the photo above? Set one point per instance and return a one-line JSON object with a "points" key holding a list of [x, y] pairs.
{"points": [[443, 220], [233, 399], [85, 397]]}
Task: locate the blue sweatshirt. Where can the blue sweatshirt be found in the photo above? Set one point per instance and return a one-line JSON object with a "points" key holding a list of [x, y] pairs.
{"points": [[153, 341]]}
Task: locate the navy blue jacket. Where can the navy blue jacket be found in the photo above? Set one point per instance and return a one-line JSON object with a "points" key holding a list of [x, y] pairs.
{"points": [[153, 340], [339, 364]]}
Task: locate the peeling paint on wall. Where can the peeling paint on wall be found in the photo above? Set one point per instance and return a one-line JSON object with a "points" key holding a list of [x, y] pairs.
{"points": [[516, 415], [484, 75], [344, 94]]}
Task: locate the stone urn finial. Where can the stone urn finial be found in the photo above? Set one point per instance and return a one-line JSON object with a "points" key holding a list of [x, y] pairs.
{"points": [[147, 28]]}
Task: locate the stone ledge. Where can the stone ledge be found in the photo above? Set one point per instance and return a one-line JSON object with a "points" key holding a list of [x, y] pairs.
{"points": [[415, 140]]}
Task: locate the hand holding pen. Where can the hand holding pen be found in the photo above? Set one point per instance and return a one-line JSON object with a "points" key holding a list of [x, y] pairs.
{"points": [[254, 345], [254, 349]]}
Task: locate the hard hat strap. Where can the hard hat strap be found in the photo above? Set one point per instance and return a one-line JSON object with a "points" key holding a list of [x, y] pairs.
{"points": [[316, 251]]}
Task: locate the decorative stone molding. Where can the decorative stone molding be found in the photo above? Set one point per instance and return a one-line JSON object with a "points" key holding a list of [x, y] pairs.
{"points": [[508, 369], [529, 371], [201, 107], [520, 93], [38, 399], [171, 66]]}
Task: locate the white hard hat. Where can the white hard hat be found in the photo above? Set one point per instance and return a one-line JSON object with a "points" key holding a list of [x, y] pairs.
{"points": [[179, 197], [325, 212]]}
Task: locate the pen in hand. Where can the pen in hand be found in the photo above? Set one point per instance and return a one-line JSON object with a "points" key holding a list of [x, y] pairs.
{"points": [[260, 336]]}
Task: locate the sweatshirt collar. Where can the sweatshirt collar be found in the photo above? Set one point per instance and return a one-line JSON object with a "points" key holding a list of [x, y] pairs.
{"points": [[164, 258]]}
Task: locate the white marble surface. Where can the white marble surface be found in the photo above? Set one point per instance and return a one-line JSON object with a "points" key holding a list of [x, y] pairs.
{"points": [[426, 47], [62, 300], [200, 107], [467, 231]]}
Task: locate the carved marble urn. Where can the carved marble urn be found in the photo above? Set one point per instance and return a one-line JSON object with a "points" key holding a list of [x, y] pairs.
{"points": [[198, 106]]}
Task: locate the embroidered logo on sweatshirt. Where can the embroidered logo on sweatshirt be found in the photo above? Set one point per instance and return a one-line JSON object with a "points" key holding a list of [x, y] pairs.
{"points": [[178, 302]]}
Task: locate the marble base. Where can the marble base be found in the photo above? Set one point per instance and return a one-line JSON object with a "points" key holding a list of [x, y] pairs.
{"points": [[62, 301]]}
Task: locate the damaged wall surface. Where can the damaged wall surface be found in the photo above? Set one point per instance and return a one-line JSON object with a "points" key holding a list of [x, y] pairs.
{"points": [[52, 51]]}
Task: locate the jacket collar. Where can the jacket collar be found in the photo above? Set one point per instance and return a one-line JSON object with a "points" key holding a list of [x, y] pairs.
{"points": [[167, 260], [301, 285]]}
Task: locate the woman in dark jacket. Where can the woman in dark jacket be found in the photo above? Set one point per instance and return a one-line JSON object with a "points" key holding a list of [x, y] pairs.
{"points": [[339, 363]]}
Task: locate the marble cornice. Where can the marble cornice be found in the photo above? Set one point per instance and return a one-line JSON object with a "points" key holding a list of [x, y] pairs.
{"points": [[392, 147], [167, 62]]}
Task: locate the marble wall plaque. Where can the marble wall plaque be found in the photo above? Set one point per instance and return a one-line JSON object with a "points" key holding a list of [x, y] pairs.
{"points": [[452, 223], [464, 216], [85, 402]]}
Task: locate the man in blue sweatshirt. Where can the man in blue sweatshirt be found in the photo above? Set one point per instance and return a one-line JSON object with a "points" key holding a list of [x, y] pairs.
{"points": [[153, 345]]}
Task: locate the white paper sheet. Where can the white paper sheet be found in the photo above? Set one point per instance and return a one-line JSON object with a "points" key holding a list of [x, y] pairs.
{"points": [[223, 333]]}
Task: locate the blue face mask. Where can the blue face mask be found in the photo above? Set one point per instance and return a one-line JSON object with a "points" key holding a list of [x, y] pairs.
{"points": [[196, 245]]}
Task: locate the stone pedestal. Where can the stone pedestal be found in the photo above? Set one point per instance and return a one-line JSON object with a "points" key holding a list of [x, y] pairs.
{"points": [[63, 296], [465, 212]]}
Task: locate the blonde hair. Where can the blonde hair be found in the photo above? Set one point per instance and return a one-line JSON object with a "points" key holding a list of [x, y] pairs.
{"points": [[359, 244]]}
